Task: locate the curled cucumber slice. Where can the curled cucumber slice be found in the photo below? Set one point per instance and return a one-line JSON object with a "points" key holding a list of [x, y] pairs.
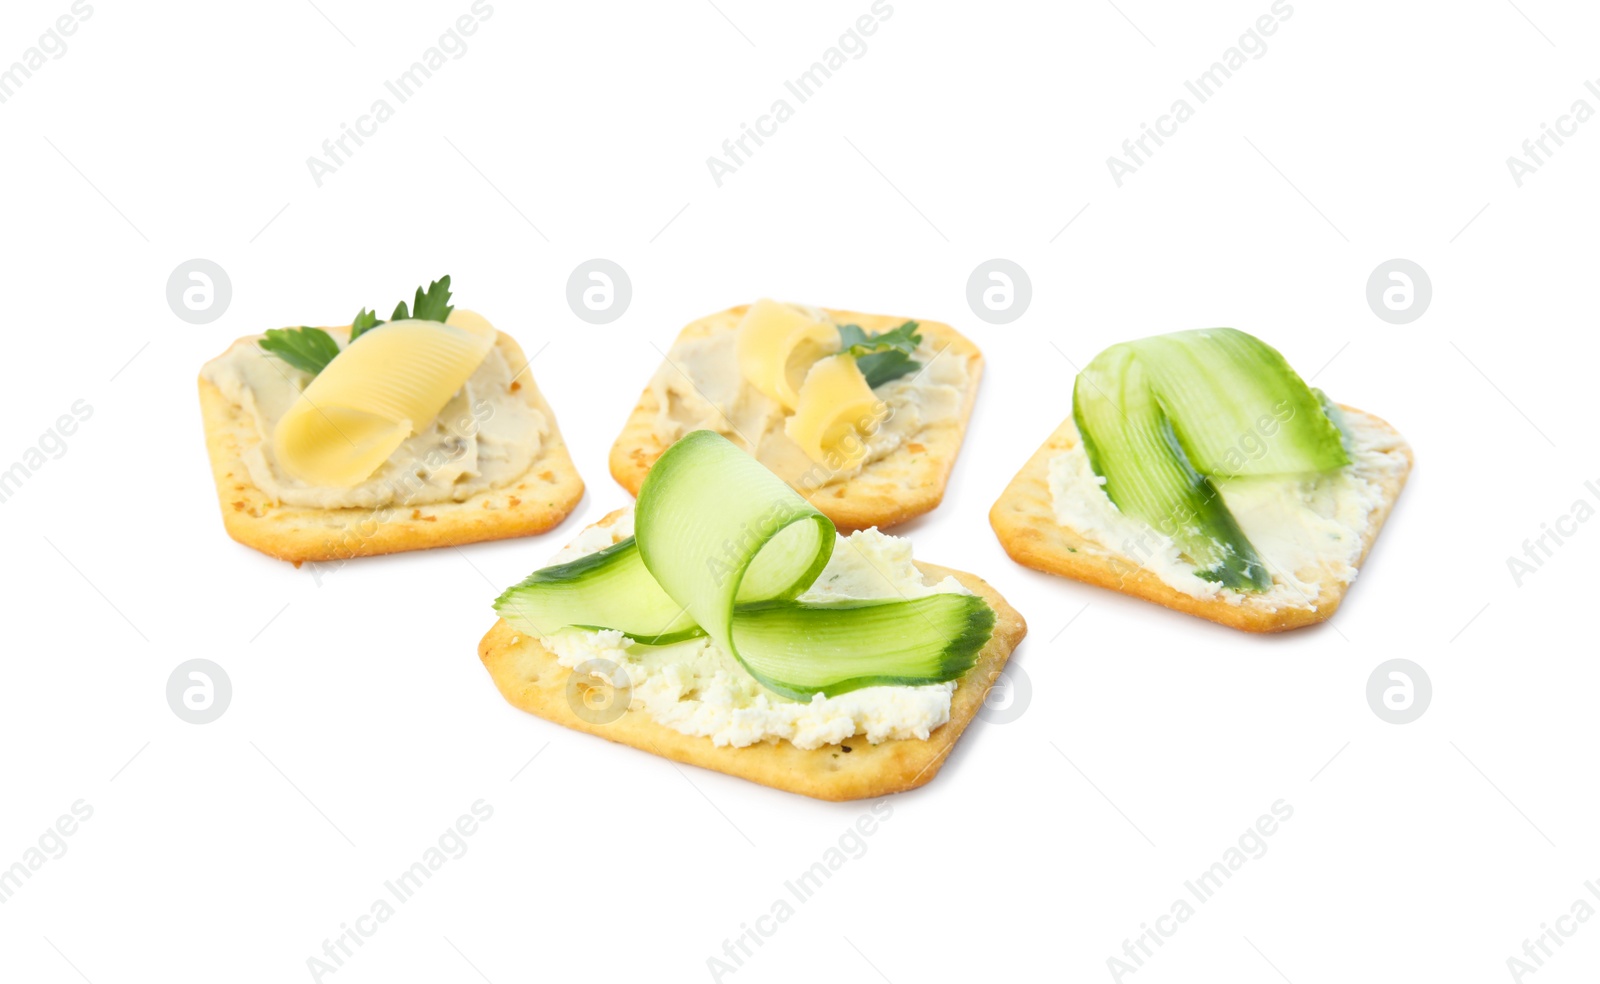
{"points": [[723, 547]]}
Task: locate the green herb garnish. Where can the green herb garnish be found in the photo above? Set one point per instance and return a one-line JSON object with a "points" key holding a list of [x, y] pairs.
{"points": [[365, 321], [311, 349], [434, 305], [882, 356], [307, 349]]}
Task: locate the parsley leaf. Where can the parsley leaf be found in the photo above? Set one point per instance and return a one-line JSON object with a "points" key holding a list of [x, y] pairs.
{"points": [[883, 356], [307, 349], [364, 322], [431, 305], [311, 349]]}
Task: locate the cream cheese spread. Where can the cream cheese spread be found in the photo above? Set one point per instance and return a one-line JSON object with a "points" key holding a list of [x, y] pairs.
{"points": [[697, 688], [1307, 529]]}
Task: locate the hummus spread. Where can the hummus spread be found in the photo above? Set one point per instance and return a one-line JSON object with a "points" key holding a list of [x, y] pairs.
{"points": [[485, 438], [700, 386]]}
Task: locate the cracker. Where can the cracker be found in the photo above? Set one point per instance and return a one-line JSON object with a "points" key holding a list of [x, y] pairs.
{"points": [[902, 485], [530, 678], [1024, 519], [536, 502]]}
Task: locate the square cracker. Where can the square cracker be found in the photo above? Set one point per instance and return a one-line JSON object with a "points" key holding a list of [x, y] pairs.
{"points": [[902, 485], [530, 678], [538, 501], [1024, 519]]}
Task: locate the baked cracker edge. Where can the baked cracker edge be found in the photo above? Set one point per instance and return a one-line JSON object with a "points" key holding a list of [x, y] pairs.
{"points": [[901, 486], [530, 678], [537, 502], [1024, 520]]}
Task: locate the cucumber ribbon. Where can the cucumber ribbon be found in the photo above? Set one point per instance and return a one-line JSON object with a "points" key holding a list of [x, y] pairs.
{"points": [[724, 548], [1165, 419]]}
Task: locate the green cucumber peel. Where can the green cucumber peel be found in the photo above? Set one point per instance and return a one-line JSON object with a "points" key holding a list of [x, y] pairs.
{"points": [[724, 548], [609, 589], [1165, 420], [803, 648], [1131, 445], [1236, 406]]}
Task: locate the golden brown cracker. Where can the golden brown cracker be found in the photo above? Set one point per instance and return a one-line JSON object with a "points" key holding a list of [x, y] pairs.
{"points": [[536, 502], [904, 484], [1024, 519], [530, 678]]}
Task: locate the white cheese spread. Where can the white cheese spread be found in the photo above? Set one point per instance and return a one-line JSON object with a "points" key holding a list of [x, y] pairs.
{"points": [[696, 688], [1307, 529]]}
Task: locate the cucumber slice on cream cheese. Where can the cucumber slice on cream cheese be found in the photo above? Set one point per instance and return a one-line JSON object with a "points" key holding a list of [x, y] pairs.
{"points": [[1164, 419], [609, 589], [722, 546]]}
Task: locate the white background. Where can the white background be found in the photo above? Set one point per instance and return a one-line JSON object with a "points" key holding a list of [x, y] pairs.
{"points": [[362, 723]]}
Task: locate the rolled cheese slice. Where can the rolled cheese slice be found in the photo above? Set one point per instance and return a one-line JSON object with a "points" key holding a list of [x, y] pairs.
{"points": [[384, 387], [777, 344], [836, 411]]}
